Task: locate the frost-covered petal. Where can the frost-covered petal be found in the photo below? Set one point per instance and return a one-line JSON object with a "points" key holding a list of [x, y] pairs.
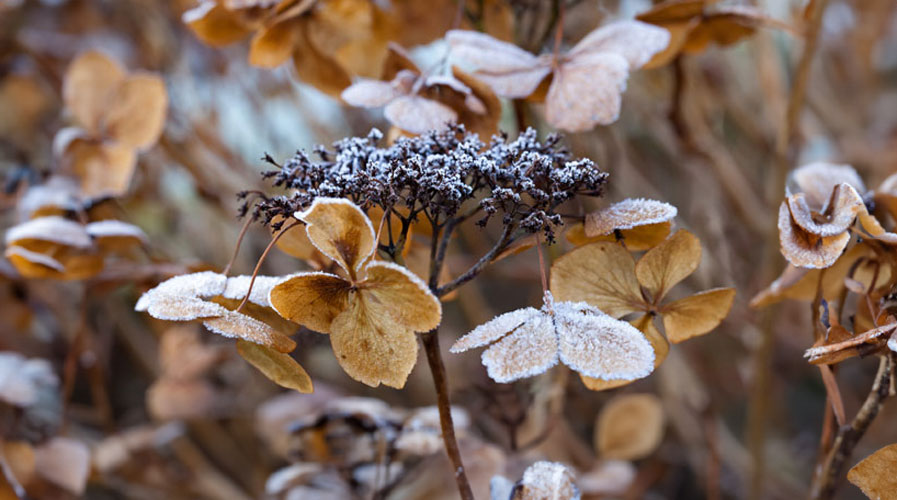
{"points": [[636, 41], [279, 367], [370, 93], [839, 216], [203, 285], [817, 180], [50, 229], [237, 287], [398, 293], [587, 91], [597, 345], [547, 480], [115, 234], [417, 114], [494, 329], [659, 343], [804, 249], [238, 325], [180, 307], [627, 214], [530, 350]]}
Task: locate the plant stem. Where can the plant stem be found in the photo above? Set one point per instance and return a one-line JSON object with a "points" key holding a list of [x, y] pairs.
{"points": [[849, 435], [475, 269]]}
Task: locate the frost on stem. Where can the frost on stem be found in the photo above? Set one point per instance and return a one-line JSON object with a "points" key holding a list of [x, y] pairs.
{"points": [[434, 175]]}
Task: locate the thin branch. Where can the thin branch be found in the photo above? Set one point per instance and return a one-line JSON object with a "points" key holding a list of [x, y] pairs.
{"points": [[258, 264], [481, 264]]}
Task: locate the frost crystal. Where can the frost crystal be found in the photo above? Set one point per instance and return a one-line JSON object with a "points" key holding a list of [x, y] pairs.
{"points": [[53, 229], [548, 480], [527, 342], [434, 175]]}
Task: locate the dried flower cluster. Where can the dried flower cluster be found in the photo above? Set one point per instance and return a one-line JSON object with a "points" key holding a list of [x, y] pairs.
{"points": [[434, 175]]}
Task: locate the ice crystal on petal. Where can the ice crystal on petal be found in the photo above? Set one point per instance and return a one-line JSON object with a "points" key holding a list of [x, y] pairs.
{"points": [[547, 480], [817, 180], [53, 229], [527, 342], [237, 287], [627, 214], [197, 285], [115, 229]]}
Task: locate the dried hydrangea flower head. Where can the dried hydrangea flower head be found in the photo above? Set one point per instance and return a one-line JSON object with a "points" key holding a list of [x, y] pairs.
{"points": [[529, 341], [417, 102], [587, 82], [607, 276], [371, 309], [433, 176]]}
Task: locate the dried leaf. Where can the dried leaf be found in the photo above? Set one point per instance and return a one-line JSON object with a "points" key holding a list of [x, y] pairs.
{"points": [[44, 232], [242, 326], [602, 274], [804, 249], [280, 368], [273, 46], [665, 265], [628, 214], [311, 299], [104, 168], [318, 69], [629, 427], [89, 85], [875, 474], [114, 235], [696, 315], [135, 115], [216, 25], [814, 354], [370, 93]]}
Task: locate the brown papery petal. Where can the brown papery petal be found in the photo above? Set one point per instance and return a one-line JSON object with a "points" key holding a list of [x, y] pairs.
{"points": [[295, 242], [673, 12], [318, 69], [696, 315], [803, 249], [840, 214], [311, 299], [628, 214], [511, 71], [215, 25], [873, 227], [629, 427], [636, 41], [400, 294], [105, 169], [137, 112], [602, 274], [278, 367], [52, 229], [370, 346], [115, 235], [483, 122], [659, 343], [530, 350], [242, 326], [721, 29], [817, 180], [273, 46], [88, 87], [665, 265], [418, 115], [339, 229], [636, 239], [587, 91], [33, 264], [875, 473], [679, 35]]}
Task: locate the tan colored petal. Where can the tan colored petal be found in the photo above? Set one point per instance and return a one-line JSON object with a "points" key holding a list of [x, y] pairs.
{"points": [[587, 91], [89, 85], [636, 239], [370, 93], [484, 121], [530, 350], [273, 46], [664, 13], [814, 354], [278, 367], [636, 41], [313, 300], [838, 217], [340, 230], [628, 214], [804, 249], [397, 293], [115, 235], [511, 71], [817, 180], [665, 265], [873, 227], [629, 427], [136, 113], [875, 474], [216, 25], [659, 343], [597, 345], [33, 264], [719, 28], [295, 243], [418, 115], [602, 274], [679, 35], [696, 315], [319, 69], [34, 234], [104, 169], [370, 346], [242, 326]]}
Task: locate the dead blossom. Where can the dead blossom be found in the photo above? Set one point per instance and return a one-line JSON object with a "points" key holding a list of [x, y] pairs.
{"points": [[520, 181]]}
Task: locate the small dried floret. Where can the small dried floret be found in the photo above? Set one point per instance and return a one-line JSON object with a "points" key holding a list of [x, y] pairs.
{"points": [[546, 480], [627, 214]]}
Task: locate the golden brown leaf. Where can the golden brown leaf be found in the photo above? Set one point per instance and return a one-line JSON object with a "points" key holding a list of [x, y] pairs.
{"points": [[311, 299], [667, 264], [629, 427], [696, 315], [136, 113], [273, 46], [280, 368], [602, 274], [90, 84], [216, 25], [341, 231], [636, 239], [875, 474]]}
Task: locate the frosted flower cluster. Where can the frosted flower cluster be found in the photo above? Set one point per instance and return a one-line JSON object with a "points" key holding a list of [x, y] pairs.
{"points": [[521, 181]]}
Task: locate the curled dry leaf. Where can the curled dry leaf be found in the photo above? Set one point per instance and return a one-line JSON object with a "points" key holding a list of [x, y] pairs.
{"points": [[529, 341], [818, 180], [546, 480], [372, 311], [587, 82], [875, 474], [804, 249], [629, 427]]}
